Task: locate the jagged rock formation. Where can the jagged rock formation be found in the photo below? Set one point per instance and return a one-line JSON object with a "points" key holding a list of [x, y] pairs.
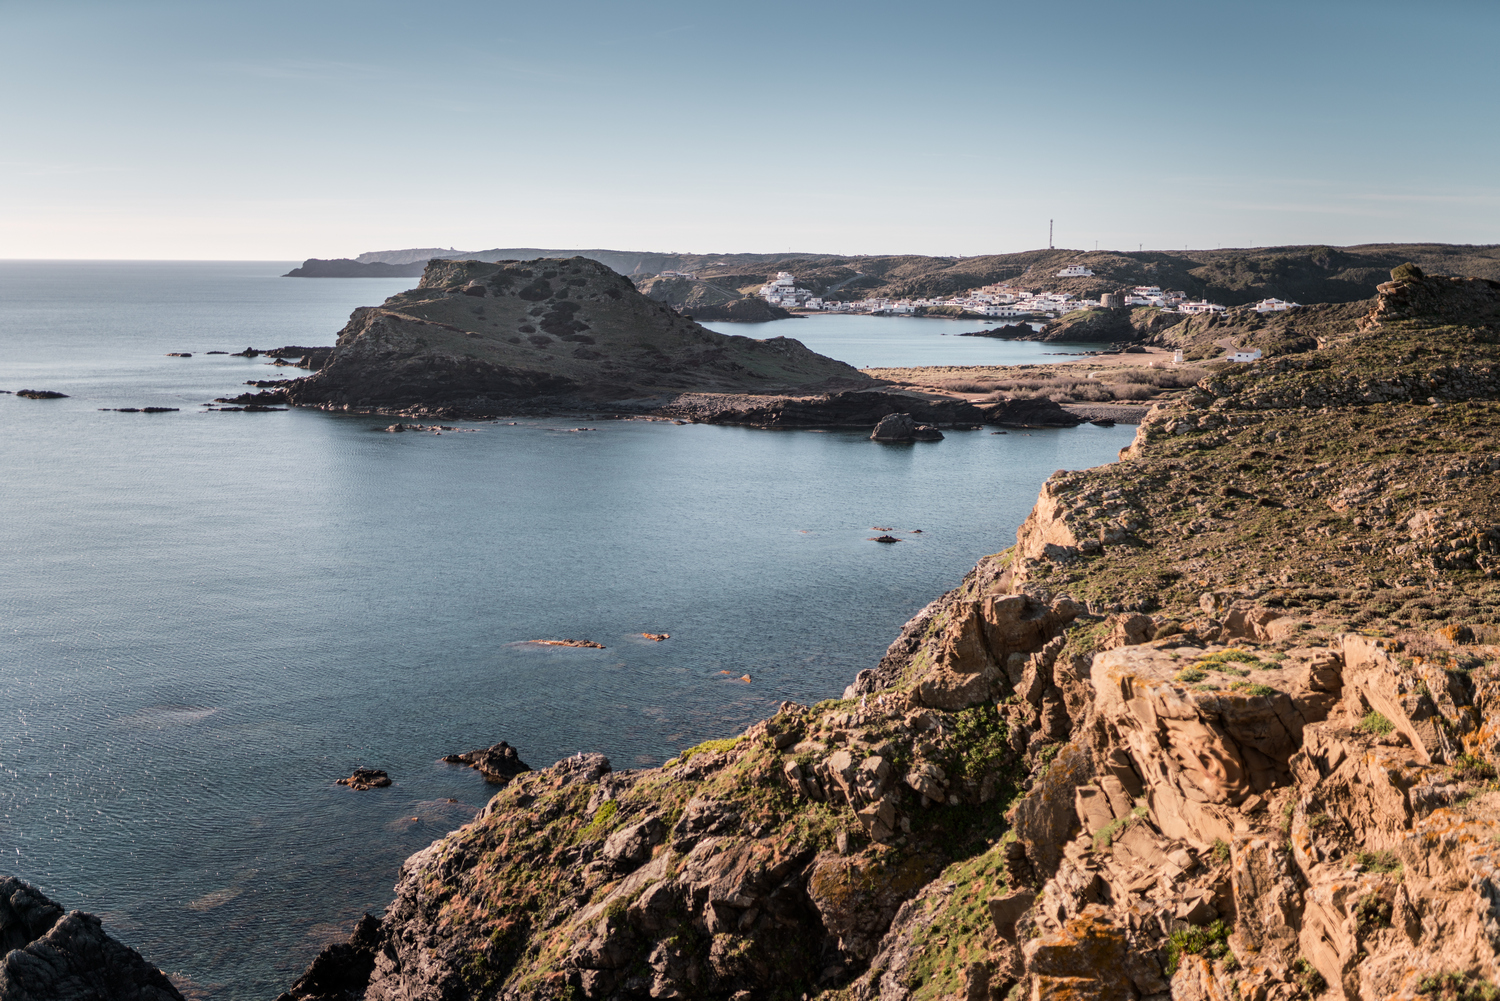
{"points": [[498, 764], [482, 336], [52, 956], [1220, 727]]}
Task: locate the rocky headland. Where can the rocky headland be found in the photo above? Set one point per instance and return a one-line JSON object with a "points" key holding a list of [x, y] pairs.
{"points": [[479, 337], [1220, 726], [476, 339]]}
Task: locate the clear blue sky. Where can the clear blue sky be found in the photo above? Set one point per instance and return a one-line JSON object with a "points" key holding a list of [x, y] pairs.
{"points": [[272, 130]]}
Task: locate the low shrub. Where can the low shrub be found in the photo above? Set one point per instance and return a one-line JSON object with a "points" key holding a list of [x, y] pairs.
{"points": [[1375, 723], [1308, 977], [1211, 941]]}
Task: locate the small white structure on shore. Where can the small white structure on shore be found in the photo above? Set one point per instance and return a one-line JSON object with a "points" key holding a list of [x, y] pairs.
{"points": [[1075, 271], [1177, 358], [1275, 306], [1245, 356]]}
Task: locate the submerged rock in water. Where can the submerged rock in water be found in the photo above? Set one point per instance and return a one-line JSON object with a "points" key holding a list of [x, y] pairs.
{"points": [[498, 764], [50, 956], [41, 394], [901, 427], [366, 778], [590, 644]]}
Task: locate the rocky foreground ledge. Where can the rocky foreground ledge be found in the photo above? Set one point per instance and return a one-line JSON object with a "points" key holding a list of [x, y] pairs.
{"points": [[50, 955]]}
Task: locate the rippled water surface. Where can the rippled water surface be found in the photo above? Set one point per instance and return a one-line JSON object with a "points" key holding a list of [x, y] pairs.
{"points": [[211, 616]]}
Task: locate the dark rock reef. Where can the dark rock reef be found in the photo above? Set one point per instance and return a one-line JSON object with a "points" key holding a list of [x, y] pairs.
{"points": [[498, 764], [366, 778], [901, 427], [52, 956]]}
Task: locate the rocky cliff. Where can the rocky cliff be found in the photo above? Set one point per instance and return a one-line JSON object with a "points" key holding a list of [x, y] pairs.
{"points": [[50, 955], [480, 336], [1218, 726]]}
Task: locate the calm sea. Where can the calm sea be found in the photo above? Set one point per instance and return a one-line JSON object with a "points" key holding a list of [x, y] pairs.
{"points": [[209, 617]]}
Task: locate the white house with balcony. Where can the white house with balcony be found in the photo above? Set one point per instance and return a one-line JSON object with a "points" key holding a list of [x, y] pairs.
{"points": [[784, 292], [1275, 306], [1075, 271], [1202, 306]]}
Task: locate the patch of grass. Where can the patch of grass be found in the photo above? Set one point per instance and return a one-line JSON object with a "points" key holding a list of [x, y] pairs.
{"points": [[710, 747], [1372, 911], [1189, 675], [1222, 660], [1375, 723], [1457, 986], [1318, 820], [1211, 941], [1381, 861], [960, 930], [1471, 768], [603, 820], [1220, 851], [1308, 977], [1251, 688]]}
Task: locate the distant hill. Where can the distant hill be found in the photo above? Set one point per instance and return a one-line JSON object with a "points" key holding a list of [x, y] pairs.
{"points": [[419, 255], [1236, 276]]}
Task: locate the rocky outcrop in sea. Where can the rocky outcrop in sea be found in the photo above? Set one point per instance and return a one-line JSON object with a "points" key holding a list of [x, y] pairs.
{"points": [[52, 955]]}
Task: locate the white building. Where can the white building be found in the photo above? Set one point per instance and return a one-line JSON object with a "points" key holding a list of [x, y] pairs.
{"points": [[1245, 356], [1275, 306], [1075, 271], [784, 292], [1201, 306], [678, 274]]}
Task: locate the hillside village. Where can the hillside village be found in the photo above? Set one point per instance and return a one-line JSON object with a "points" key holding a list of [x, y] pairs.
{"points": [[1000, 300]]}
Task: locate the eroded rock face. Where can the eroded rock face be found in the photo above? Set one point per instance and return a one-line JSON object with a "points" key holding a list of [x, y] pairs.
{"points": [[50, 956]]}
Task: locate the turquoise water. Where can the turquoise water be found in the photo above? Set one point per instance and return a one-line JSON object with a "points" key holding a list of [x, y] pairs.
{"points": [[211, 616]]}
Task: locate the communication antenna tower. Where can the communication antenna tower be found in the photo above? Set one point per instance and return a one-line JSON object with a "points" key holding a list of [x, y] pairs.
{"points": [[1049, 234]]}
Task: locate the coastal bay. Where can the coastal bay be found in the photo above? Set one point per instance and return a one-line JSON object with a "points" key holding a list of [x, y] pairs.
{"points": [[313, 596]]}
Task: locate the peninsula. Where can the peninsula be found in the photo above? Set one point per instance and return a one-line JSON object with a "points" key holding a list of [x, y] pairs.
{"points": [[478, 339]]}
